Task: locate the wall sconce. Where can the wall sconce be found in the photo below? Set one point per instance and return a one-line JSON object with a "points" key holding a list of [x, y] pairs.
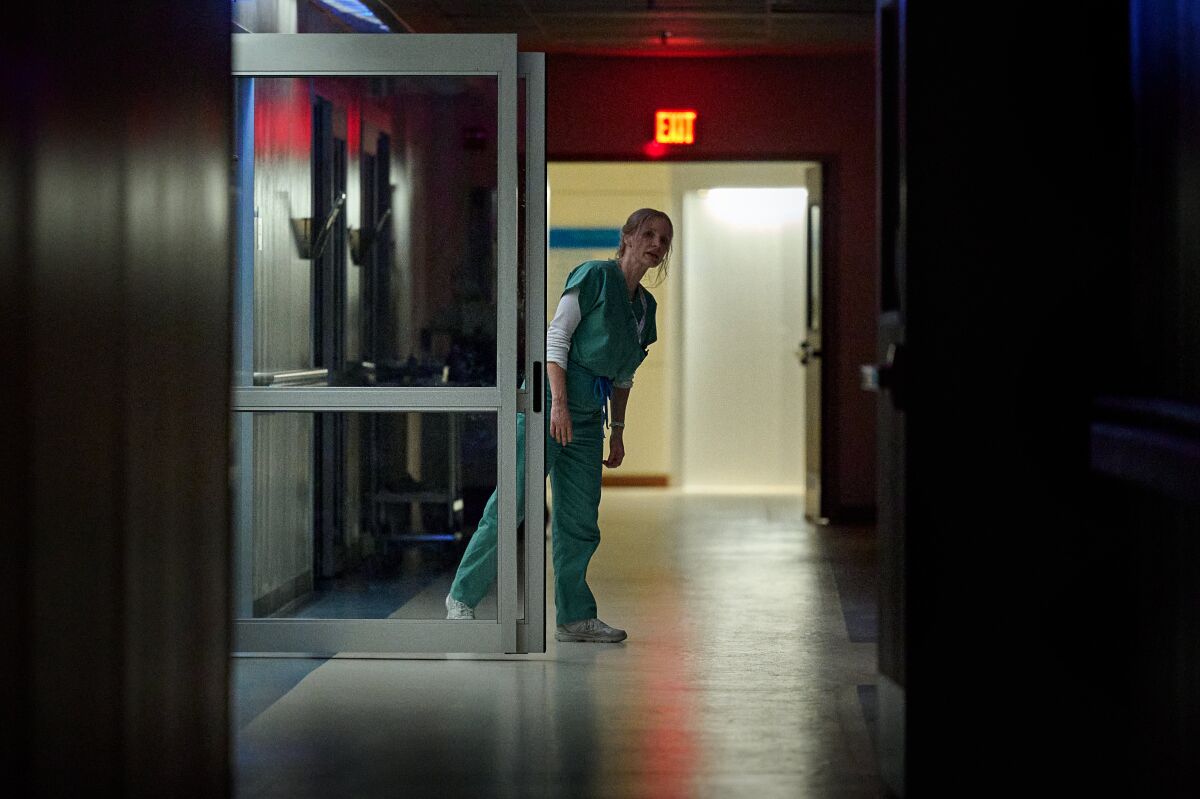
{"points": [[307, 247], [360, 244]]}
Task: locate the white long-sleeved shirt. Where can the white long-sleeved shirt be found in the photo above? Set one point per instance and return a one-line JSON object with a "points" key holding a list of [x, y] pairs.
{"points": [[562, 327]]}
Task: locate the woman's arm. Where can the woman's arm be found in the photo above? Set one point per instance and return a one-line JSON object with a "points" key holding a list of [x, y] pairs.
{"points": [[562, 328], [558, 344], [616, 441], [560, 416]]}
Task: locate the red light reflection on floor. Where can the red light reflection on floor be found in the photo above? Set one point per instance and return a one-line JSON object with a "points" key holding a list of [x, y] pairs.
{"points": [[668, 750]]}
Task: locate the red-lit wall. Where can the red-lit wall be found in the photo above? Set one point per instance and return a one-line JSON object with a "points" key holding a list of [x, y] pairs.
{"points": [[816, 107]]}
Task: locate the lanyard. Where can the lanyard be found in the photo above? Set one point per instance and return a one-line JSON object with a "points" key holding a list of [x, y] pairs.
{"points": [[602, 389]]}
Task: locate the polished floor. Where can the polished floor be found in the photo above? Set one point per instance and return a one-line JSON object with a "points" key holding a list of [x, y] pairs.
{"points": [[749, 671]]}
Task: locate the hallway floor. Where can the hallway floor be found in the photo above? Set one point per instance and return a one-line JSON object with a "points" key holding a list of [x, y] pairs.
{"points": [[749, 671]]}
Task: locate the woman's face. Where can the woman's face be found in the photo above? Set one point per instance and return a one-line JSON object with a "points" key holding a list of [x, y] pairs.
{"points": [[649, 244]]}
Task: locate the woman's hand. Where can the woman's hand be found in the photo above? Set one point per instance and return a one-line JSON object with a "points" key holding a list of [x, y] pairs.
{"points": [[616, 448], [560, 423]]}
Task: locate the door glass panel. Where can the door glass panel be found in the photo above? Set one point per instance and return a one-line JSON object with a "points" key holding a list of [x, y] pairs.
{"points": [[359, 515], [375, 231]]}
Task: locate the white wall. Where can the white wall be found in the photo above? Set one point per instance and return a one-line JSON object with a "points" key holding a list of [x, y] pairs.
{"points": [[743, 316]]}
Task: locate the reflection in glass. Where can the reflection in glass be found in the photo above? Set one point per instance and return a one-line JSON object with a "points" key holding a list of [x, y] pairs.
{"points": [[373, 253], [358, 515]]}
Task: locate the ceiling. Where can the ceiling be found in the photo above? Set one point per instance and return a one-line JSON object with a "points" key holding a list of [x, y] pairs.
{"points": [[647, 27]]}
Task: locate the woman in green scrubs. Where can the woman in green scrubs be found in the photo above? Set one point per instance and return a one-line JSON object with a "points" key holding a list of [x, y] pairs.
{"points": [[605, 322]]}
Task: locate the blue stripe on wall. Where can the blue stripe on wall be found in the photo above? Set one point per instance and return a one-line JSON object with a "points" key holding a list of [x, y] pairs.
{"points": [[584, 238]]}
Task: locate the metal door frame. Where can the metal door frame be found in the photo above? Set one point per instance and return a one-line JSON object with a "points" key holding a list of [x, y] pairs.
{"points": [[531, 630], [353, 55]]}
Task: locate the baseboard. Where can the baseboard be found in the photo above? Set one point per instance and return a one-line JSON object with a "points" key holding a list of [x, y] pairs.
{"points": [[636, 481]]}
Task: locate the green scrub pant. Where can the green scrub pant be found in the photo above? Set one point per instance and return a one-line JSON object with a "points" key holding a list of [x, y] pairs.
{"points": [[575, 471]]}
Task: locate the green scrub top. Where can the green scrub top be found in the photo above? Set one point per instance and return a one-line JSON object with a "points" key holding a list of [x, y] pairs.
{"points": [[606, 342]]}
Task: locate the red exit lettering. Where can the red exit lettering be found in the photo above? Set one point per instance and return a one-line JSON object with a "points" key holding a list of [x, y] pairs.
{"points": [[675, 127]]}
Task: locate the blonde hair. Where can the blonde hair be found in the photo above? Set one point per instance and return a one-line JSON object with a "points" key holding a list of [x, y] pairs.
{"points": [[634, 224]]}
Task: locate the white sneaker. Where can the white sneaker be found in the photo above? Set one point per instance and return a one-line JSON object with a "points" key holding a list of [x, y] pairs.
{"points": [[458, 610], [592, 630]]}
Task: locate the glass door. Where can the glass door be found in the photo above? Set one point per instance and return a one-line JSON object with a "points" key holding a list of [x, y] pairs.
{"points": [[391, 227]]}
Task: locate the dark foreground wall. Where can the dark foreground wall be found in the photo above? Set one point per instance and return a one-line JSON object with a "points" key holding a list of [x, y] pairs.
{"points": [[1041, 575], [114, 197], [764, 108], [1145, 434]]}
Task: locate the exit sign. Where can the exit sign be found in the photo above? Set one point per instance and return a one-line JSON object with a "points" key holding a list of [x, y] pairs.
{"points": [[675, 127]]}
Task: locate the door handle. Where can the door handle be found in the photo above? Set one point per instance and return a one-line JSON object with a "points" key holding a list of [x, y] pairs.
{"points": [[887, 376], [806, 353], [877, 377], [537, 387], [870, 377]]}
